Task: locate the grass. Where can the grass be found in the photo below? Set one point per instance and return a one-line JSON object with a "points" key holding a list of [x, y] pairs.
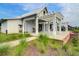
{"points": [[10, 37], [43, 44], [72, 49], [75, 46], [4, 50], [13, 51], [75, 30], [21, 47]]}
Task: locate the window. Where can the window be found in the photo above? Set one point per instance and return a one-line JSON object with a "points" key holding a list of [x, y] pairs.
{"points": [[20, 26], [0, 24], [44, 12], [57, 26], [51, 27]]}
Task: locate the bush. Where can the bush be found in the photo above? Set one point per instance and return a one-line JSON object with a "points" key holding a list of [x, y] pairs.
{"points": [[41, 43], [4, 50], [43, 38], [21, 47]]}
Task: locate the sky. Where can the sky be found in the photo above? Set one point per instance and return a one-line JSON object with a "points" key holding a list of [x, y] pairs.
{"points": [[69, 10]]}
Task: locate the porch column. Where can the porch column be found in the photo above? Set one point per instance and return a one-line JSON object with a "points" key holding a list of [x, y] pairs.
{"points": [[23, 26], [36, 26], [44, 26], [60, 26], [49, 27], [66, 26], [54, 26]]}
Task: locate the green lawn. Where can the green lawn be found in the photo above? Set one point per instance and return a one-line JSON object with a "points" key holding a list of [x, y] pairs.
{"points": [[10, 37], [73, 46]]}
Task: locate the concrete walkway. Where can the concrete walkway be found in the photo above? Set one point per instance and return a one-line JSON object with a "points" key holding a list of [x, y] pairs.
{"points": [[16, 42]]}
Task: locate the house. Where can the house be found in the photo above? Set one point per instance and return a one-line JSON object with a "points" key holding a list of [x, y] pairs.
{"points": [[40, 20]]}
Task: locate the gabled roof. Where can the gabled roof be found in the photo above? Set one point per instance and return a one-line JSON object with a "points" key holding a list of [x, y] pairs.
{"points": [[35, 12], [32, 13], [26, 14]]}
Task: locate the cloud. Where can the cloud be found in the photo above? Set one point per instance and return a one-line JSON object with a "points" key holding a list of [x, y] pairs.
{"points": [[32, 6], [71, 13]]}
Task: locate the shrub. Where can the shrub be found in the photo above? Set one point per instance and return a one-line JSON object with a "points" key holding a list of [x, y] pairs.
{"points": [[43, 38], [4, 50], [20, 48], [42, 42]]}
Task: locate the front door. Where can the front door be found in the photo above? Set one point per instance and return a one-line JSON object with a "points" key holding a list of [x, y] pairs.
{"points": [[40, 27]]}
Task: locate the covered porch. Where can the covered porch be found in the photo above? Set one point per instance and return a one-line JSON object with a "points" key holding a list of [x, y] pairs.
{"points": [[48, 24]]}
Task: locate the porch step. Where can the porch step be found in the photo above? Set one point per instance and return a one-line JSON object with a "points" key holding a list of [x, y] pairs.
{"points": [[68, 37]]}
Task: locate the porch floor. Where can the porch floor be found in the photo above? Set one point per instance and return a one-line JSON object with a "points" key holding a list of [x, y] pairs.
{"points": [[63, 36], [59, 36]]}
